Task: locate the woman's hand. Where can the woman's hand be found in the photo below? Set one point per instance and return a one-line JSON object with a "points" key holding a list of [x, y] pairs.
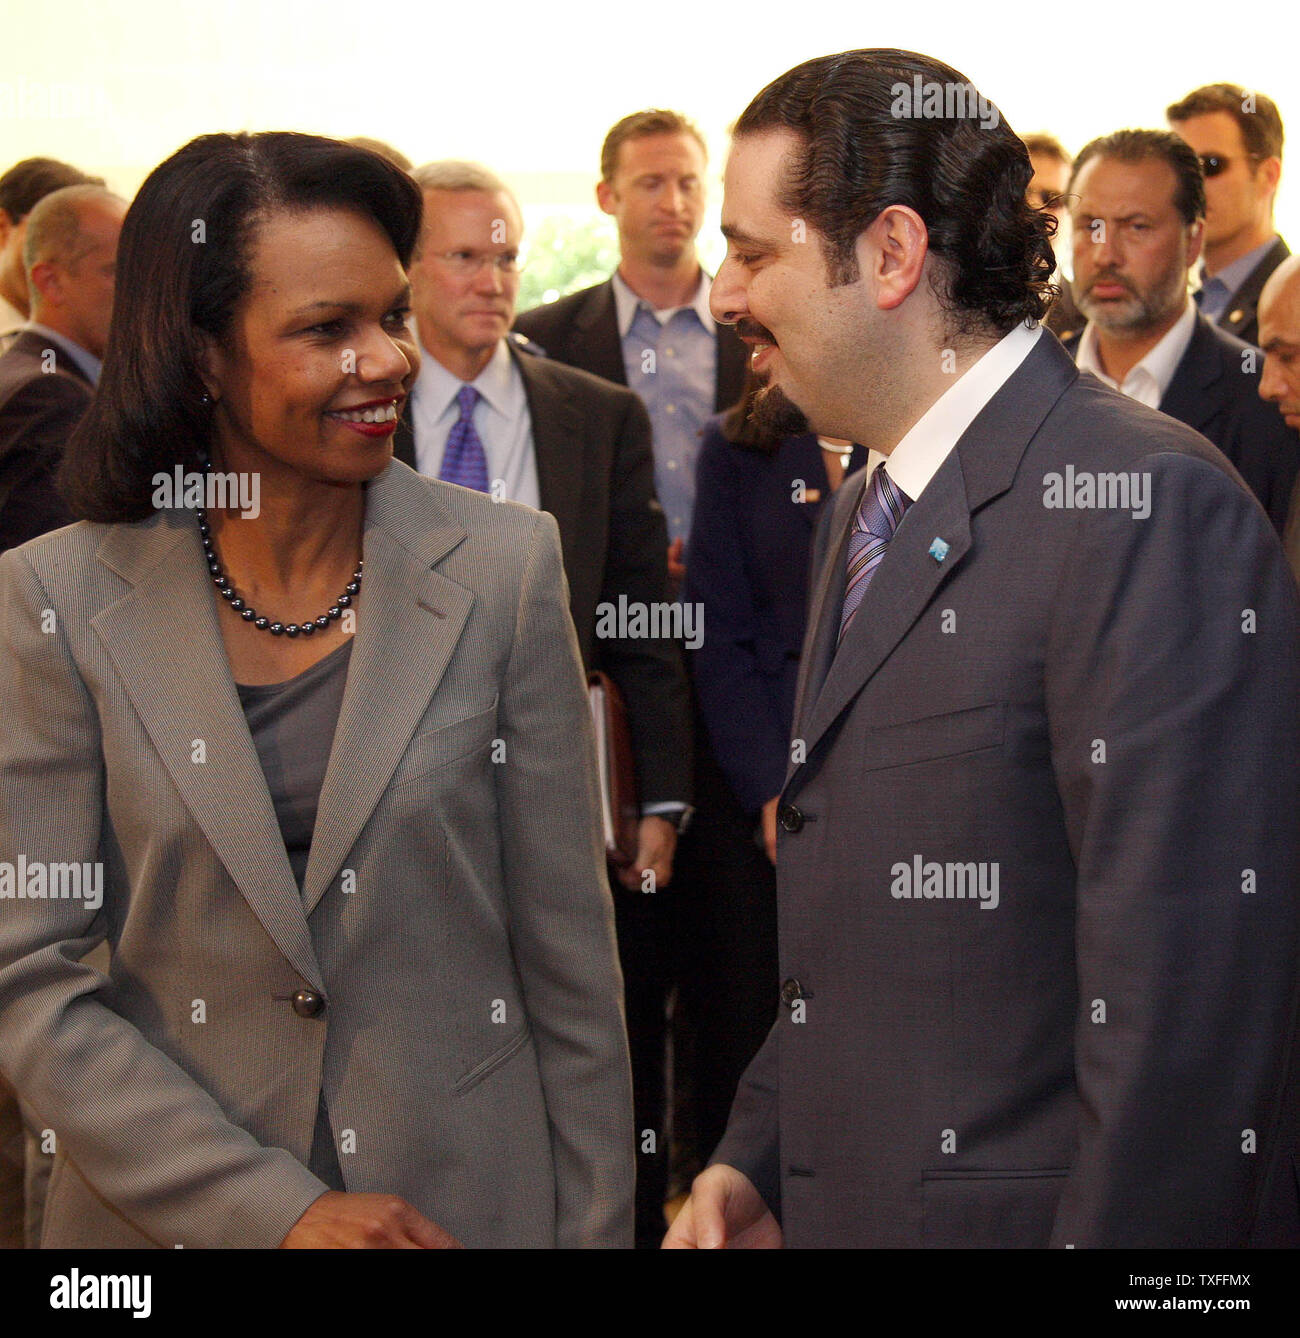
{"points": [[366, 1222], [769, 826]]}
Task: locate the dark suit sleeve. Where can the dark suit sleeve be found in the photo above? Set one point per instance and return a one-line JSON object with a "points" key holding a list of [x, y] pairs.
{"points": [[1172, 691], [743, 722], [1267, 454], [752, 1142], [647, 670], [35, 424]]}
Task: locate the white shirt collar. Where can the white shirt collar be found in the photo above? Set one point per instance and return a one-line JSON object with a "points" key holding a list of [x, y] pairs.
{"points": [[498, 384], [1150, 378], [929, 442], [626, 303]]}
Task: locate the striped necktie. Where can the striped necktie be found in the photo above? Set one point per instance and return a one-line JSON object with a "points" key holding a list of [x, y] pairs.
{"points": [[464, 460], [883, 504]]}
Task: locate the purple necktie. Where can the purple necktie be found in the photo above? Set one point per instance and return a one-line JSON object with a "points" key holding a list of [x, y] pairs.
{"points": [[882, 508], [463, 460]]}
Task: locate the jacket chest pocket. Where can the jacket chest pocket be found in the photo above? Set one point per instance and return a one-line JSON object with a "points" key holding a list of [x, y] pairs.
{"points": [[934, 737], [435, 749]]}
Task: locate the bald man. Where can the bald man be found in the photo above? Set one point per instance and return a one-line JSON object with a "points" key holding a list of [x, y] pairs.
{"points": [[1279, 337], [48, 374]]}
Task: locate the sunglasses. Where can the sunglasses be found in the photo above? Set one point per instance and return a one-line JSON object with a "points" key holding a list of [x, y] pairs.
{"points": [[1215, 164]]}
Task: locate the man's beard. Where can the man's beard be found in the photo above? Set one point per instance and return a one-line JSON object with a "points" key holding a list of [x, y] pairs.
{"points": [[776, 414], [1142, 311]]}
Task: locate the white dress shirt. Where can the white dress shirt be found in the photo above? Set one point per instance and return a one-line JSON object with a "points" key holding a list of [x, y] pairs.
{"points": [[930, 440], [1148, 381], [501, 419]]}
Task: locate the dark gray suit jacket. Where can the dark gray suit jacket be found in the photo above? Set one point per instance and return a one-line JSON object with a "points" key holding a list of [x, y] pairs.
{"points": [[1106, 710], [595, 475], [1215, 389], [454, 913], [38, 410]]}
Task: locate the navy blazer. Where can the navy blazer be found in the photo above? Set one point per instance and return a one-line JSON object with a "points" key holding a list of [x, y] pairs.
{"points": [[751, 538]]}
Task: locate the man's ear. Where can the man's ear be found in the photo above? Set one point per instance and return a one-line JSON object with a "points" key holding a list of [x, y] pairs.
{"points": [[1271, 171], [891, 254], [605, 197], [47, 282], [1195, 240]]}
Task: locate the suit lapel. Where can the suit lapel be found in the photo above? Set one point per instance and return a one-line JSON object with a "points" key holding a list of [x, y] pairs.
{"points": [[901, 588], [596, 342], [980, 467], [165, 643], [1187, 397], [559, 443], [824, 613], [410, 620], [1243, 306]]}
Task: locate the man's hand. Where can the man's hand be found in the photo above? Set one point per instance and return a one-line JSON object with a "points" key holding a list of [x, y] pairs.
{"points": [[366, 1222], [656, 841], [676, 568], [724, 1212], [769, 826]]}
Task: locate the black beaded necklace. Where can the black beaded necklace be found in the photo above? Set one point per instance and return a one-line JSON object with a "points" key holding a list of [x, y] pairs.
{"points": [[250, 614]]}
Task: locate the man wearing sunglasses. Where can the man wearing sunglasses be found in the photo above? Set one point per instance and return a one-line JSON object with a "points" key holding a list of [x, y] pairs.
{"points": [[1237, 135]]}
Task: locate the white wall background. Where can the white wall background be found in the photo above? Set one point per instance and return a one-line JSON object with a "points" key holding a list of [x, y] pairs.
{"points": [[530, 86]]}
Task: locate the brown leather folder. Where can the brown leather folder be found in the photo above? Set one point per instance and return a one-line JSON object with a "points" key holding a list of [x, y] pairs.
{"points": [[620, 812]]}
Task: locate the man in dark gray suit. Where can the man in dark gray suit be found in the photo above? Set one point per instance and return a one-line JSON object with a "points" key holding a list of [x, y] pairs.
{"points": [[1041, 830]]}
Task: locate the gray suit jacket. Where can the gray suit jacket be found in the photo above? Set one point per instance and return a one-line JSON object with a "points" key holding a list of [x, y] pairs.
{"points": [[455, 913], [1103, 712]]}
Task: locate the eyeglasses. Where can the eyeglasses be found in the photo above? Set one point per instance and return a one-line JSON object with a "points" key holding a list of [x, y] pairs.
{"points": [[1214, 164], [466, 264]]}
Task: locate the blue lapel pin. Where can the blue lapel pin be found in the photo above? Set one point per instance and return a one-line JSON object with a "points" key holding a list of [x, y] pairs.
{"points": [[938, 550]]}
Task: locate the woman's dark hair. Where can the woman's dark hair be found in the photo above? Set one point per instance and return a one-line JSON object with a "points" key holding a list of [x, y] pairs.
{"points": [[885, 127], [182, 268]]}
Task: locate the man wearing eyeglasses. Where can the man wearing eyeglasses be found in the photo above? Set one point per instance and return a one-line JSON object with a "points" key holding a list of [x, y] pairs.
{"points": [[486, 413], [1237, 135]]}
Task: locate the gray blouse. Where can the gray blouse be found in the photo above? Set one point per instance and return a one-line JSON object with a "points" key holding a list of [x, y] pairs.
{"points": [[292, 724]]}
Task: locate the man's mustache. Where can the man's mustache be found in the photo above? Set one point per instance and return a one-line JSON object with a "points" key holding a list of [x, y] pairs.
{"points": [[1111, 278], [751, 329]]}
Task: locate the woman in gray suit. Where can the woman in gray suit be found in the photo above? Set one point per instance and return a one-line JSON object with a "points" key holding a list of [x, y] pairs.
{"points": [[302, 735]]}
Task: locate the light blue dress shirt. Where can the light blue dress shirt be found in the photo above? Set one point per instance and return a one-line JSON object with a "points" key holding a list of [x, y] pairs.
{"points": [[671, 360], [1217, 293]]}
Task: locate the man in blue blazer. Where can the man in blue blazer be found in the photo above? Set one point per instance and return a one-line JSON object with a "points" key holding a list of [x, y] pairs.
{"points": [[1037, 873]]}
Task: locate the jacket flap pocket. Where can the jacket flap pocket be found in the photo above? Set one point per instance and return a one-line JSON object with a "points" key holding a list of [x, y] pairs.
{"points": [[934, 736]]}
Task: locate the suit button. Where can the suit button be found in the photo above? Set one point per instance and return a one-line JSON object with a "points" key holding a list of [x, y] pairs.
{"points": [[307, 1003], [791, 818], [791, 991]]}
